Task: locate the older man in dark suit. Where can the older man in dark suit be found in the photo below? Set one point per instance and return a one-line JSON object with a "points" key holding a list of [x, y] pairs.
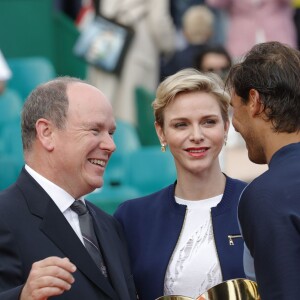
{"points": [[53, 243]]}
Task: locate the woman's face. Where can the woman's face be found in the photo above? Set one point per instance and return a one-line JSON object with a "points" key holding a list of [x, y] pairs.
{"points": [[194, 131]]}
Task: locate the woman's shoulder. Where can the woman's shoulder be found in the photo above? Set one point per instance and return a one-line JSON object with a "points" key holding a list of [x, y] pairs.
{"points": [[235, 183], [148, 200]]}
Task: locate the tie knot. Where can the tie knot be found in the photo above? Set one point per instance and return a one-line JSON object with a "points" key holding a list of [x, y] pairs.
{"points": [[79, 207]]}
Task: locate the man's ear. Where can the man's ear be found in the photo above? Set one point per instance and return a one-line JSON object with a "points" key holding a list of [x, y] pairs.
{"points": [[160, 133], [44, 132], [255, 105]]}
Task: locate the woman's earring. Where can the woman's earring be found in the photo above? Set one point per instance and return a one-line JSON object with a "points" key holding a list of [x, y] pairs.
{"points": [[225, 140], [163, 147]]}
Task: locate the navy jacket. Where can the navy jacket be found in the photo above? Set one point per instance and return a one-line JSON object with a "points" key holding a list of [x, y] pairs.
{"points": [[152, 225], [33, 228], [269, 214]]}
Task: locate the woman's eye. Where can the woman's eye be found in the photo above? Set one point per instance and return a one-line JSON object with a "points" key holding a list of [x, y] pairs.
{"points": [[181, 124], [210, 122]]}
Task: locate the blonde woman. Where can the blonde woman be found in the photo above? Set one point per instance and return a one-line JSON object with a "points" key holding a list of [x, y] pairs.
{"points": [[185, 238]]}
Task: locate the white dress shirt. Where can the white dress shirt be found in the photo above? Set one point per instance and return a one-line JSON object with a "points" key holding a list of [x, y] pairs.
{"points": [[61, 198]]}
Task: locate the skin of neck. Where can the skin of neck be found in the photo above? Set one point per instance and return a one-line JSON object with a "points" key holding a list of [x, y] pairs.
{"points": [[203, 185]]}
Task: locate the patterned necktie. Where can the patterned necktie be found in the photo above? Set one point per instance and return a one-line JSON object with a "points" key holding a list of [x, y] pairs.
{"points": [[88, 234]]}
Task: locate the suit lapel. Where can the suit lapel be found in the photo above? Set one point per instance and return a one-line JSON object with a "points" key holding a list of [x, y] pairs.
{"points": [[62, 234], [58, 229]]}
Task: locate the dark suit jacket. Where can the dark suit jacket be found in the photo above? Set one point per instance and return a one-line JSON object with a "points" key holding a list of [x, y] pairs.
{"points": [[33, 228]]}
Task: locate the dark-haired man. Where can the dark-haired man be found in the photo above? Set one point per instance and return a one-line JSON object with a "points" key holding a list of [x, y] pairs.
{"points": [[266, 111]]}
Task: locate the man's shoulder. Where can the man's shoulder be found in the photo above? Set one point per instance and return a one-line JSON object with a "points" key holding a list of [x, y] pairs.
{"points": [[9, 196], [13, 207], [264, 192]]}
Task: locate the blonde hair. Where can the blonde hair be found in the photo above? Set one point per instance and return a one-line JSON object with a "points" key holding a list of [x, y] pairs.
{"points": [[198, 23], [188, 81]]}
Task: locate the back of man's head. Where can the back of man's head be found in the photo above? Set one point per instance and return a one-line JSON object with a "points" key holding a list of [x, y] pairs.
{"points": [[273, 70]]}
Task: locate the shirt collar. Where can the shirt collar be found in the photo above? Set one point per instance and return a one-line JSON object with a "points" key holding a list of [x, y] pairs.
{"points": [[61, 198]]}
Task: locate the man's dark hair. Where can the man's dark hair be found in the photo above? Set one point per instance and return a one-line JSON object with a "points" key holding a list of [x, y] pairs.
{"points": [[273, 70]]}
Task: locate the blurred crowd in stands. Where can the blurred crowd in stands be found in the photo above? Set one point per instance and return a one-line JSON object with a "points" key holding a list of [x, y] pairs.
{"points": [[169, 35], [208, 35]]}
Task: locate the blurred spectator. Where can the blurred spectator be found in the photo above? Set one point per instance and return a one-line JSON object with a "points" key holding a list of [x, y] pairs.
{"points": [[154, 34], [197, 27], [296, 5], [81, 11], [86, 13], [214, 58], [256, 21], [5, 72], [178, 9], [70, 7]]}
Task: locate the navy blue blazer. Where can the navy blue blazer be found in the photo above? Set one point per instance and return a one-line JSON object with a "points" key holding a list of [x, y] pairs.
{"points": [[152, 226], [33, 228]]}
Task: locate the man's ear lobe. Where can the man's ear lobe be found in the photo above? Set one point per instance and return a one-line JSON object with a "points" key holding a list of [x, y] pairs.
{"points": [[44, 132], [256, 106]]}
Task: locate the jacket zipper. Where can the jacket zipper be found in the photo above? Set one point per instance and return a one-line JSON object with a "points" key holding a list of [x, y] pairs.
{"points": [[212, 226], [232, 237]]}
